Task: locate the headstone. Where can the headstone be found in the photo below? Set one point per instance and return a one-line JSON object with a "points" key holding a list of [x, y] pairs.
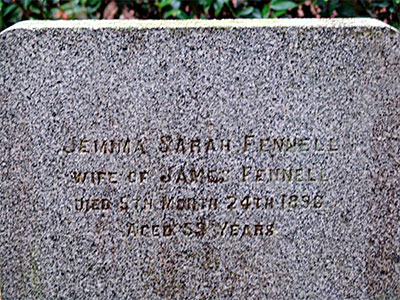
{"points": [[200, 160]]}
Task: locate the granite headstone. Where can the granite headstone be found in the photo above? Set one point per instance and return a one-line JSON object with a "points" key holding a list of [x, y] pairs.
{"points": [[200, 160]]}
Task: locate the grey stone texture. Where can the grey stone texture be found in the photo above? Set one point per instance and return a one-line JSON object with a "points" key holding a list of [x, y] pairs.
{"points": [[200, 160]]}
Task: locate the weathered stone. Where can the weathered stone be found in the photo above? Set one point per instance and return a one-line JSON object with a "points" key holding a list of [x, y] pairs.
{"points": [[200, 160]]}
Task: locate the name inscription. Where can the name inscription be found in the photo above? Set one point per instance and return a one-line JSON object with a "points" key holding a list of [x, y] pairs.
{"points": [[179, 145], [188, 173]]}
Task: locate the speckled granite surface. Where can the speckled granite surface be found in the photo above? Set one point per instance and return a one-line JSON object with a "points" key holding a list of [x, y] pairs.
{"points": [[200, 160]]}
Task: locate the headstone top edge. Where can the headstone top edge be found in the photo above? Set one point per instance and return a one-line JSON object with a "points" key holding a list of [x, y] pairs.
{"points": [[226, 23]]}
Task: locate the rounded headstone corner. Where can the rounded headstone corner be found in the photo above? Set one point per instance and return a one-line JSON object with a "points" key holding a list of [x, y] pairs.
{"points": [[14, 30], [20, 25]]}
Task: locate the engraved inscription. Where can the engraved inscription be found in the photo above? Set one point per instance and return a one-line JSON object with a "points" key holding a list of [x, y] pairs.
{"points": [[201, 199]]}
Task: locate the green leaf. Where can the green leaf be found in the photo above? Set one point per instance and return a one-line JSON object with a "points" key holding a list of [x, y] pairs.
{"points": [[256, 14], [35, 10], [175, 13], [67, 6], [265, 11], [218, 6], [15, 15], [93, 6], [79, 12], [282, 5], [278, 13], [176, 4], [9, 9], [163, 3], [245, 12], [94, 2], [182, 15], [26, 3], [383, 4], [206, 5], [178, 13], [2, 25]]}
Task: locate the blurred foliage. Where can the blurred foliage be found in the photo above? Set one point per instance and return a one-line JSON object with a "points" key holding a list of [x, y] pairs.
{"points": [[12, 11]]}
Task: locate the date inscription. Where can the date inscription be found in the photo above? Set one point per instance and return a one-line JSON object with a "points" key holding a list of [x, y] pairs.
{"points": [[186, 166]]}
